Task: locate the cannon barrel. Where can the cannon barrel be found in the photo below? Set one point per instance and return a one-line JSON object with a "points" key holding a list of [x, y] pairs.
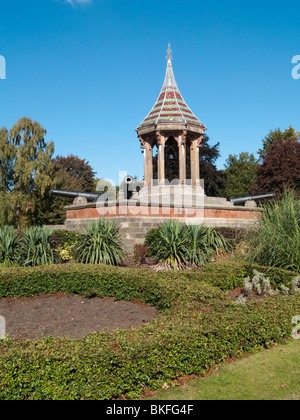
{"points": [[241, 200], [90, 196]]}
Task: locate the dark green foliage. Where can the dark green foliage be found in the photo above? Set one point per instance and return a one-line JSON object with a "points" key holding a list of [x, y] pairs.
{"points": [[203, 244], [213, 178], [69, 173], [101, 244], [198, 328], [37, 247], [9, 246], [29, 247], [65, 237], [171, 246], [229, 274], [177, 245], [275, 241], [152, 236], [240, 174]]}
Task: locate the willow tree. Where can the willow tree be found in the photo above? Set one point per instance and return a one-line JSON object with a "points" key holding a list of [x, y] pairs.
{"points": [[25, 158]]}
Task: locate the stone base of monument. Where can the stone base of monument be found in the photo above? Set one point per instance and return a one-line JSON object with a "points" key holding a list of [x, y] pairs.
{"points": [[150, 209]]}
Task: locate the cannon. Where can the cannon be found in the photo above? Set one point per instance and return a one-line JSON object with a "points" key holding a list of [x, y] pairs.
{"points": [[244, 199], [86, 196]]}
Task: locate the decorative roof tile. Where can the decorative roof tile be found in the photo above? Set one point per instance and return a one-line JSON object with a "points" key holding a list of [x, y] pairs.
{"points": [[170, 106]]}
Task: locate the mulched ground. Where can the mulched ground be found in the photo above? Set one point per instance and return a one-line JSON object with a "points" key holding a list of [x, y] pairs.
{"points": [[70, 316]]}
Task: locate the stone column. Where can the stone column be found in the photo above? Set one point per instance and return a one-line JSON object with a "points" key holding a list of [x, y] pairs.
{"points": [[182, 157], [161, 158], [148, 163], [195, 166]]}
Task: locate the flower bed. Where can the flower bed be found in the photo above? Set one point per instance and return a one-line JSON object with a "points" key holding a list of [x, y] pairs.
{"points": [[199, 326]]}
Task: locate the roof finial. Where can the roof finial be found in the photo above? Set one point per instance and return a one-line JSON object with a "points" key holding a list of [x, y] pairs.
{"points": [[169, 52]]}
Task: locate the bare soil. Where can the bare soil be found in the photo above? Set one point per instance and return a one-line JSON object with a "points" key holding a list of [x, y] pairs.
{"points": [[70, 316]]}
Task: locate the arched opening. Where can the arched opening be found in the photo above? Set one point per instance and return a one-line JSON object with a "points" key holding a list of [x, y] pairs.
{"points": [[188, 162], [154, 162], [171, 159]]}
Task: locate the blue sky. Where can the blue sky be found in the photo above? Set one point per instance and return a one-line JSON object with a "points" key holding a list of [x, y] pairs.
{"points": [[90, 71]]}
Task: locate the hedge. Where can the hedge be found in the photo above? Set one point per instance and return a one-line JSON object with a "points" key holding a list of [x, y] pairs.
{"points": [[198, 327]]}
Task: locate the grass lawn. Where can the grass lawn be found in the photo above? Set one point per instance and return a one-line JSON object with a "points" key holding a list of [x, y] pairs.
{"points": [[272, 374]]}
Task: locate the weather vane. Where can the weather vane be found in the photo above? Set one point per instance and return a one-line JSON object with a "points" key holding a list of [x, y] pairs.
{"points": [[169, 52]]}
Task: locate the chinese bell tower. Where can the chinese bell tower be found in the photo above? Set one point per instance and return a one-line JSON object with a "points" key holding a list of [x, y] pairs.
{"points": [[176, 132]]}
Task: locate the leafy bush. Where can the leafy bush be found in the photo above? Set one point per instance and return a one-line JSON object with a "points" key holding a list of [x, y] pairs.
{"points": [[171, 246], [131, 284], [37, 247], [204, 243], [100, 244], [198, 328], [65, 242], [150, 237], [65, 237], [178, 245], [275, 240], [9, 246]]}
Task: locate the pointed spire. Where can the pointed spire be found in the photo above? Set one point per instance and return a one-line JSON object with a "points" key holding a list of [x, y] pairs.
{"points": [[169, 52], [170, 107], [170, 78]]}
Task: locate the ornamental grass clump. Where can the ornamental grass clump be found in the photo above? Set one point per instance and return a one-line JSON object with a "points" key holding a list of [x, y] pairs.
{"points": [[171, 246], [275, 240], [204, 243], [9, 246], [101, 244], [178, 246], [37, 247]]}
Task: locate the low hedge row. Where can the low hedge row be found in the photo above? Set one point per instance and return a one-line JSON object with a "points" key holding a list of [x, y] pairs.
{"points": [[126, 283], [197, 328], [229, 274]]}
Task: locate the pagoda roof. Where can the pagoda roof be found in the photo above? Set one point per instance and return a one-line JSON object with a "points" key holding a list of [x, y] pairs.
{"points": [[170, 106]]}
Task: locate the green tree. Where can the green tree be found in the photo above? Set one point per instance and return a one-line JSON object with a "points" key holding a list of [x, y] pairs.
{"points": [[7, 156], [276, 136], [213, 178], [68, 173], [240, 171], [25, 171]]}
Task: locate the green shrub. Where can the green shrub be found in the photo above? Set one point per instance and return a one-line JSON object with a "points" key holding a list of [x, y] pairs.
{"points": [[204, 243], [171, 246], [65, 237], [9, 246], [150, 237], [65, 241], [37, 247], [198, 328], [101, 244], [275, 241], [229, 274], [177, 245]]}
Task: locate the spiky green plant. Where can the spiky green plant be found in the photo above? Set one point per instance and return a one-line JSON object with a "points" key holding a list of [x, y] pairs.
{"points": [[9, 246], [37, 248], [204, 242], [177, 245], [171, 246], [100, 244], [275, 240]]}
